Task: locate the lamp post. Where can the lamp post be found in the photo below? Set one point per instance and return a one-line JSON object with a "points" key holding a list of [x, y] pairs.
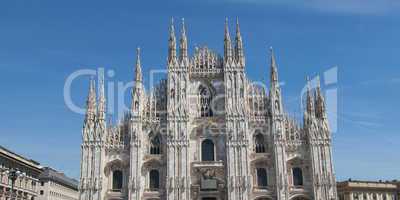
{"points": [[13, 174]]}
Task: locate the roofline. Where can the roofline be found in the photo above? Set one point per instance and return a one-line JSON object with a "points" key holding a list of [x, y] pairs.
{"points": [[361, 181], [20, 158]]}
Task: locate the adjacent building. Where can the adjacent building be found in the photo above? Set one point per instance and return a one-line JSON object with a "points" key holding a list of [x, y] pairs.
{"points": [[207, 132], [55, 185], [30, 181], [19, 173], [367, 190]]}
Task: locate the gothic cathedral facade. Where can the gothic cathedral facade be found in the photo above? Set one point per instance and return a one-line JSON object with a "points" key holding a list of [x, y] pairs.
{"points": [[206, 132]]}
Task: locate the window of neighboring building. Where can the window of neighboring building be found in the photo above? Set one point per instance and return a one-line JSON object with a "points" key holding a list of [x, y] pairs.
{"points": [[117, 180], [154, 180], [259, 144], [155, 145], [207, 150], [42, 183], [41, 192], [297, 176], [262, 178]]}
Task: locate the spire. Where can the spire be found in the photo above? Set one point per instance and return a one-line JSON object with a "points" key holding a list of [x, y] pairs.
{"points": [[239, 44], [310, 99], [91, 101], [320, 110], [172, 42], [227, 43], [138, 69], [275, 92], [183, 44], [274, 69], [102, 99]]}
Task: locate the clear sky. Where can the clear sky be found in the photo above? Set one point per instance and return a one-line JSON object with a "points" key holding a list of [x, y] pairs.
{"points": [[43, 42]]}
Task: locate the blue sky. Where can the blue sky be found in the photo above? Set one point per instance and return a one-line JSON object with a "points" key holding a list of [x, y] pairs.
{"points": [[42, 42]]}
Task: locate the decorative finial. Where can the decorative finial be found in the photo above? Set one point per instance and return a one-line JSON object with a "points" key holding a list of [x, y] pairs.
{"points": [[318, 81], [183, 27]]}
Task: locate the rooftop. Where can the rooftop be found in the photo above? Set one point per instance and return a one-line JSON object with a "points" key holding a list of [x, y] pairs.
{"points": [[19, 158], [58, 177]]}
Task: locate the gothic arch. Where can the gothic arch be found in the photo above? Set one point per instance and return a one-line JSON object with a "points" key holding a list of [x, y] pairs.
{"points": [[117, 180], [116, 164], [154, 179], [115, 172], [155, 147], [207, 150], [260, 145], [298, 171], [151, 163]]}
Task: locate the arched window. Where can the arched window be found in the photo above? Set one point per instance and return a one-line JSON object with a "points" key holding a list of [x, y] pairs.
{"points": [[207, 150], [262, 177], [136, 105], [117, 180], [297, 176], [205, 102], [259, 143], [154, 180], [172, 93], [155, 145]]}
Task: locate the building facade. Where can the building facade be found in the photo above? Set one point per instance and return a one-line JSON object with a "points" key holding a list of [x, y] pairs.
{"points": [[55, 185], [25, 173], [367, 190], [206, 132]]}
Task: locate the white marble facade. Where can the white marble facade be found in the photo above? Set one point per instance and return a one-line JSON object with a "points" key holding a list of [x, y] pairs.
{"points": [[207, 132]]}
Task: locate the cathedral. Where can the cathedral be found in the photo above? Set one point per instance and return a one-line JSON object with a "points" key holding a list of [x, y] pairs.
{"points": [[206, 132]]}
